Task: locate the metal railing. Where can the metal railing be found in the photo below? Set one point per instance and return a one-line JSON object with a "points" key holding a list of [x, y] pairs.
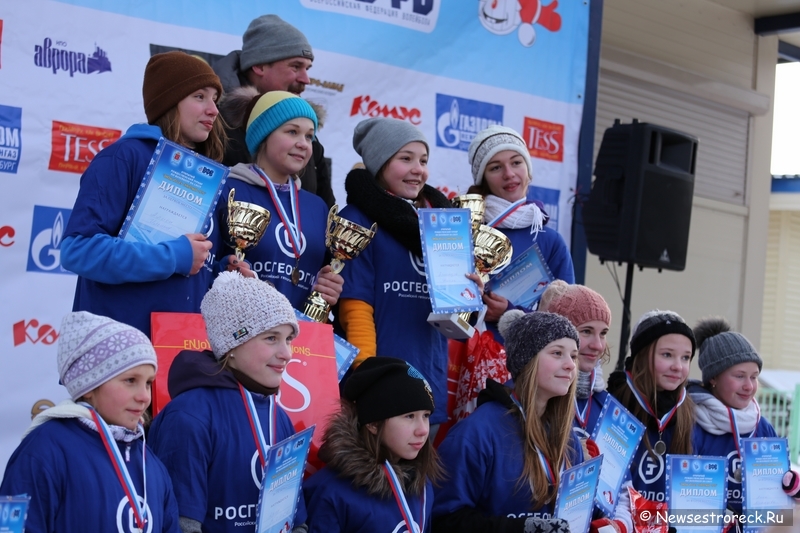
{"points": [[777, 407]]}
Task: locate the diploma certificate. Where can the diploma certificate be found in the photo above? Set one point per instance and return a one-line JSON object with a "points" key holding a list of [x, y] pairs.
{"points": [[764, 461], [177, 195], [13, 512], [576, 492], [617, 435], [280, 485], [697, 492], [524, 280], [447, 251]]}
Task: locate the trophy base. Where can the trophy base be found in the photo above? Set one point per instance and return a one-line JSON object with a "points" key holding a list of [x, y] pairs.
{"points": [[316, 308], [452, 326]]}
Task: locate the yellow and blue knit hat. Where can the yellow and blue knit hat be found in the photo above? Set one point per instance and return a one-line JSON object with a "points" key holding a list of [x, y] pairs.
{"points": [[270, 111]]}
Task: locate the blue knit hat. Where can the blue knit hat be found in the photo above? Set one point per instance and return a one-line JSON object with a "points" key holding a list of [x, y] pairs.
{"points": [[270, 111]]}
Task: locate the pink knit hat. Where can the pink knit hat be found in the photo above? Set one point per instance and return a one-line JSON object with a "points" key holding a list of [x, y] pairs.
{"points": [[578, 303]]}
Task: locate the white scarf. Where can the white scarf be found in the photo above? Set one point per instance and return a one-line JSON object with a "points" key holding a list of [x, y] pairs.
{"points": [[529, 215], [712, 415], [70, 409]]}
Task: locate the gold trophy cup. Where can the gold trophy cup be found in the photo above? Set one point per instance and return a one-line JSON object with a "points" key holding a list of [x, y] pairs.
{"points": [[492, 250], [345, 240], [476, 205], [246, 224]]}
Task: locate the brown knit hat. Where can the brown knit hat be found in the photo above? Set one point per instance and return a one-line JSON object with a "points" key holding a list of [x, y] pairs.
{"points": [[172, 76], [578, 303]]}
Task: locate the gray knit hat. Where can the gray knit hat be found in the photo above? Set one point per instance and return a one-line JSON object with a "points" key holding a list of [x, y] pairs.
{"points": [[270, 38], [377, 139], [92, 349], [721, 348], [490, 142], [526, 334], [237, 308]]}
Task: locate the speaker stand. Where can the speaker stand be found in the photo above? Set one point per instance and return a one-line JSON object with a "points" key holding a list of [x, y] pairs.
{"points": [[626, 318]]}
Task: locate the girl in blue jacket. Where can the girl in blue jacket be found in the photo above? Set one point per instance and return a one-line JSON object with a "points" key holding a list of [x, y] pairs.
{"points": [[385, 302], [502, 173], [280, 128], [726, 406], [503, 463], [380, 461], [126, 280], [653, 389], [223, 416], [84, 463]]}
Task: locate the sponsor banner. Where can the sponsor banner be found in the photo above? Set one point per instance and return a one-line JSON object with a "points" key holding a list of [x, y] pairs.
{"points": [[448, 68], [419, 15], [10, 138], [75, 145], [59, 57], [47, 230], [458, 120]]}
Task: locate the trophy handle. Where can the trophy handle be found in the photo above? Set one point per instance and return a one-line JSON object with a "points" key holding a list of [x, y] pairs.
{"points": [[230, 203]]}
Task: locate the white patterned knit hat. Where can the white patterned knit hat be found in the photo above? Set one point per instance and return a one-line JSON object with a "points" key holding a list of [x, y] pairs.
{"points": [[490, 142], [237, 308], [93, 349]]}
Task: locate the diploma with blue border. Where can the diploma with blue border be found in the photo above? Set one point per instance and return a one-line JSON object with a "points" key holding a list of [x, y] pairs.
{"points": [[13, 513], [524, 280], [447, 250], [280, 485], [617, 435], [177, 196], [345, 352], [697, 492], [576, 492], [764, 461]]}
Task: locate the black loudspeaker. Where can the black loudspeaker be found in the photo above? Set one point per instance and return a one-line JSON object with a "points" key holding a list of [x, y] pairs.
{"points": [[640, 204]]}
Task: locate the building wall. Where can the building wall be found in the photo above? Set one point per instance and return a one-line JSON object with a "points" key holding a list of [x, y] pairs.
{"points": [[697, 52]]}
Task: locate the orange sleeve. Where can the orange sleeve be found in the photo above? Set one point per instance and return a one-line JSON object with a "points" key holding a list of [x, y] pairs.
{"points": [[358, 321]]}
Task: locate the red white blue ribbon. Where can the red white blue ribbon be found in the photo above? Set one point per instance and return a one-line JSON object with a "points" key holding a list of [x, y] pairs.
{"points": [[507, 212], [139, 512], [664, 420], [402, 503], [519, 405], [583, 416], [295, 231], [545, 463], [262, 445]]}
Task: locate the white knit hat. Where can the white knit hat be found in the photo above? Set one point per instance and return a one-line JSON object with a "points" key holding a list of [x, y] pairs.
{"points": [[237, 308], [93, 349], [490, 142]]}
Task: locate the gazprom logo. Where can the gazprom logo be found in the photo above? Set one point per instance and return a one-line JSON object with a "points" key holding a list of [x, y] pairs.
{"points": [[458, 120], [47, 232]]}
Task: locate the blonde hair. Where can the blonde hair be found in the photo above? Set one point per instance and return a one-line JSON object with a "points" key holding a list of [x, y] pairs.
{"points": [[550, 434]]}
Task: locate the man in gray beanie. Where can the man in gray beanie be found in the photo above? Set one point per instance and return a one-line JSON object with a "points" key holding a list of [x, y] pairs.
{"points": [[275, 56]]}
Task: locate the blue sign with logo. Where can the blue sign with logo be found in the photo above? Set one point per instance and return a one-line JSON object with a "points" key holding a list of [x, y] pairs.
{"points": [[44, 253], [550, 198], [458, 120], [10, 138]]}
